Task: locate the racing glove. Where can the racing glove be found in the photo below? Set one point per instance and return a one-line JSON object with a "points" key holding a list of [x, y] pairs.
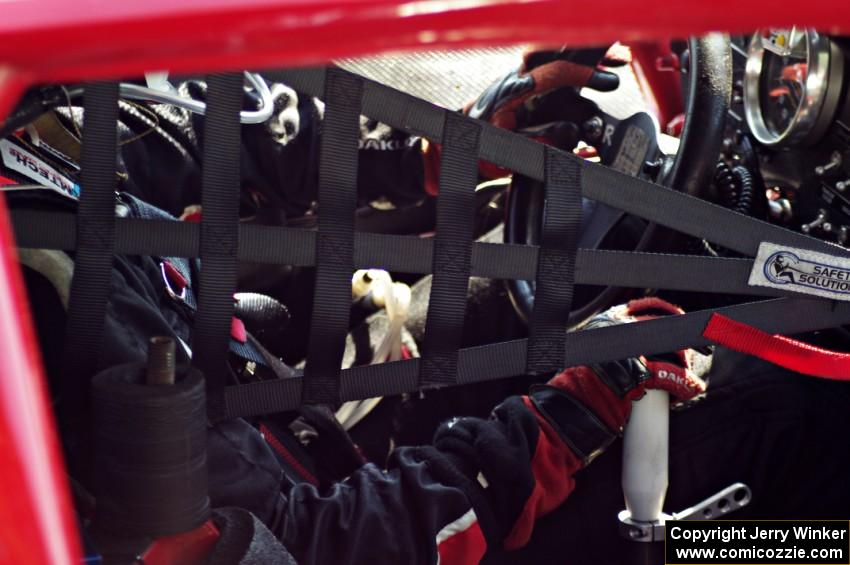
{"points": [[582, 410], [505, 102], [541, 100], [608, 389]]}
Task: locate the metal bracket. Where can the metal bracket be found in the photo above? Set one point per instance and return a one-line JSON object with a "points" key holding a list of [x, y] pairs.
{"points": [[733, 497]]}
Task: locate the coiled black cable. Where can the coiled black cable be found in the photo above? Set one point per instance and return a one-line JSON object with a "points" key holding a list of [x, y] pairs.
{"points": [[744, 202], [734, 187], [724, 181]]}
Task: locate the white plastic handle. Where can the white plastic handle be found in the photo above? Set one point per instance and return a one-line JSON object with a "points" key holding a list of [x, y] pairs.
{"points": [[645, 456]]}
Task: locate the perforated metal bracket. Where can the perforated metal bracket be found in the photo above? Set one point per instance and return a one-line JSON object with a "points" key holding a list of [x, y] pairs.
{"points": [[730, 499]]}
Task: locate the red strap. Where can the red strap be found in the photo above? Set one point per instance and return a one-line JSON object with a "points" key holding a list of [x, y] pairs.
{"points": [[779, 350]]}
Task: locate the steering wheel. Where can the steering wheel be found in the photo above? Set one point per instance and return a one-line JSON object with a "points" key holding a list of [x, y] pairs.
{"points": [[631, 146]]}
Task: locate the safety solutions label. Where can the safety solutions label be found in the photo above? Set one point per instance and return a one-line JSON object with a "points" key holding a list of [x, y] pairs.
{"points": [[31, 166], [765, 542], [799, 270]]}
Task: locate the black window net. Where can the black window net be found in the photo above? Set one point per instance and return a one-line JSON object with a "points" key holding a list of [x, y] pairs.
{"points": [[452, 256]]}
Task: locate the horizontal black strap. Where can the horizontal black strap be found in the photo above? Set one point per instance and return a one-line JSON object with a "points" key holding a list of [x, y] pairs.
{"points": [[407, 254], [647, 200], [785, 316]]}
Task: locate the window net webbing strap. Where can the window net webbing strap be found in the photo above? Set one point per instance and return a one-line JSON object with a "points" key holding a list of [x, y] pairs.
{"points": [[95, 233], [219, 235], [556, 264], [452, 252], [335, 237]]}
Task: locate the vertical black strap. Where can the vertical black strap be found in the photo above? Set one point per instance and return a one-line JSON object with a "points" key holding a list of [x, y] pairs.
{"points": [[553, 295], [452, 252], [90, 286], [335, 241], [219, 235]]}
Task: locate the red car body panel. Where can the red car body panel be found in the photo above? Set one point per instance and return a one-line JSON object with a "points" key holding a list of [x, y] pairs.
{"points": [[61, 40], [37, 524]]}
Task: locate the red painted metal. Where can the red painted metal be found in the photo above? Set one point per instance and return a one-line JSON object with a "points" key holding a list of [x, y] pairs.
{"points": [[58, 40], [61, 40], [189, 548], [661, 85], [36, 521]]}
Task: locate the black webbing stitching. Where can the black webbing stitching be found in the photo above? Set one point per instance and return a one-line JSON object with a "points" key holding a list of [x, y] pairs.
{"points": [[335, 239], [647, 200], [507, 359], [452, 252], [406, 254], [219, 235], [95, 236], [553, 294], [644, 199]]}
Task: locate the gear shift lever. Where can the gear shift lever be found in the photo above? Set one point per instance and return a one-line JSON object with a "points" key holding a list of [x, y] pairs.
{"points": [[645, 467], [645, 456]]}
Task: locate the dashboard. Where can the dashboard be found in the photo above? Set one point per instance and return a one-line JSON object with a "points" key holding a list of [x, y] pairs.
{"points": [[789, 126]]}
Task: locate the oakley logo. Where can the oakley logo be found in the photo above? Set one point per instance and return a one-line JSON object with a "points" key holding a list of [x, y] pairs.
{"points": [[387, 144], [666, 375]]}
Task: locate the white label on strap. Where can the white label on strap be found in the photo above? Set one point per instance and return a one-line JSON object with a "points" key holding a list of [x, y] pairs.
{"points": [[799, 270], [31, 166]]}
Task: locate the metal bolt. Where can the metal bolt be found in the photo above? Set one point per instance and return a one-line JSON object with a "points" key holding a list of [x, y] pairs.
{"points": [[842, 185], [821, 219], [161, 361], [843, 235], [834, 161], [593, 128]]}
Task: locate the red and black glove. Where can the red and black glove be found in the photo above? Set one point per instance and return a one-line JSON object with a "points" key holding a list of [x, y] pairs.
{"points": [[582, 398], [582, 410], [541, 100], [503, 103]]}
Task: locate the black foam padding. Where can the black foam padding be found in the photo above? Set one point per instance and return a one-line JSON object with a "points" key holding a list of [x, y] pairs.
{"points": [[150, 452]]}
